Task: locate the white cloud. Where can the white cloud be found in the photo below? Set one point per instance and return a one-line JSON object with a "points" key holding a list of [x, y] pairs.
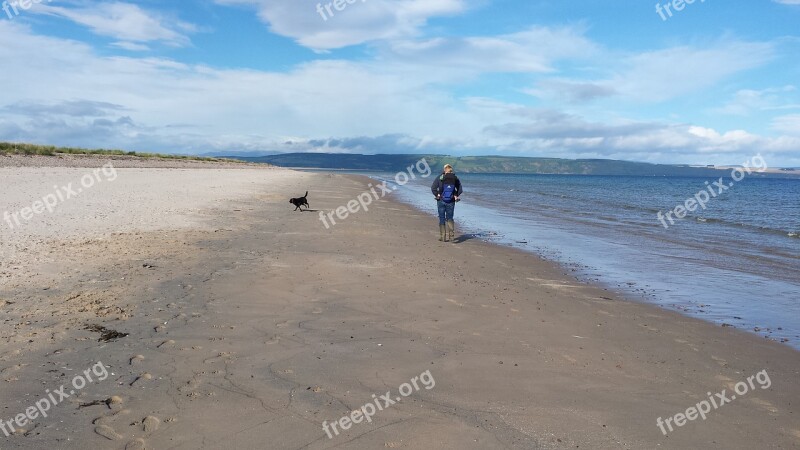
{"points": [[394, 102], [130, 46], [317, 99], [559, 134], [125, 22], [655, 76], [361, 21], [534, 50], [748, 101], [559, 89], [665, 74], [789, 124]]}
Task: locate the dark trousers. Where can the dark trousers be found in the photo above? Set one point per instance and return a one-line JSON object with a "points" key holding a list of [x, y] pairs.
{"points": [[446, 211]]}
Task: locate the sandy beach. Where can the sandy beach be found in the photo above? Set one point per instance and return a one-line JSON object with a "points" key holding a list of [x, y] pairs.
{"points": [[201, 311]]}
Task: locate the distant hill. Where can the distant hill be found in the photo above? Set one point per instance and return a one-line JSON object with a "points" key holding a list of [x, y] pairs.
{"points": [[494, 164]]}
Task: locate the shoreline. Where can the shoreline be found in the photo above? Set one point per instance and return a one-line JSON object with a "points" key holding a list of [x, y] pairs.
{"points": [[262, 325], [584, 279], [605, 261]]}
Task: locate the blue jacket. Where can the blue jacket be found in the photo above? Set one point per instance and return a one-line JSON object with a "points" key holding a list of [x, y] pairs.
{"points": [[438, 185]]}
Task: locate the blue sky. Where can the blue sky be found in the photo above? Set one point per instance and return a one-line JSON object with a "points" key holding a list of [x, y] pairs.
{"points": [[714, 83]]}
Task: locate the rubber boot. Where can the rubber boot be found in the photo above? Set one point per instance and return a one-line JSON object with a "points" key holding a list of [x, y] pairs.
{"points": [[442, 232], [451, 230]]}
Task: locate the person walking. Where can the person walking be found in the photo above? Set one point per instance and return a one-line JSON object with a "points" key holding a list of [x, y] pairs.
{"points": [[447, 190]]}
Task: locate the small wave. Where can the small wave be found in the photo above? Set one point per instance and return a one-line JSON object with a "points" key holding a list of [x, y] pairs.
{"points": [[752, 227], [713, 220]]}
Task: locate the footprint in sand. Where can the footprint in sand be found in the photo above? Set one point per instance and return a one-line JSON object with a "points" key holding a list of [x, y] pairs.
{"points": [[686, 343], [114, 402], [454, 302], [107, 432], [141, 379], [765, 405], [724, 379], [720, 361], [14, 368], [729, 383], [194, 347], [191, 387], [166, 343], [137, 444], [151, 424], [136, 359], [106, 420], [221, 357]]}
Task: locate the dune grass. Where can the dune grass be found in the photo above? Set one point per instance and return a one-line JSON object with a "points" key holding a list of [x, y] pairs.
{"points": [[11, 148]]}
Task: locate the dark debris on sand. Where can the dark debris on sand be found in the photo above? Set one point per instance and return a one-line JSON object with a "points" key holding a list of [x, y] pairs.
{"points": [[106, 335]]}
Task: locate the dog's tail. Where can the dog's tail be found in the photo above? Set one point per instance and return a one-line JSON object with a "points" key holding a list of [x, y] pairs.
{"points": [[306, 194]]}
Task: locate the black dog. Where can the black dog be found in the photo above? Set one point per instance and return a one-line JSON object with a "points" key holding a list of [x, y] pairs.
{"points": [[298, 202]]}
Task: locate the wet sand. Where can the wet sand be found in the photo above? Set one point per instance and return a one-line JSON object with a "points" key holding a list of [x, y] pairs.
{"points": [[249, 325]]}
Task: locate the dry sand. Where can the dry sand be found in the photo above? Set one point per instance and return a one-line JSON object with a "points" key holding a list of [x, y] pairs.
{"points": [[95, 201], [250, 324]]}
